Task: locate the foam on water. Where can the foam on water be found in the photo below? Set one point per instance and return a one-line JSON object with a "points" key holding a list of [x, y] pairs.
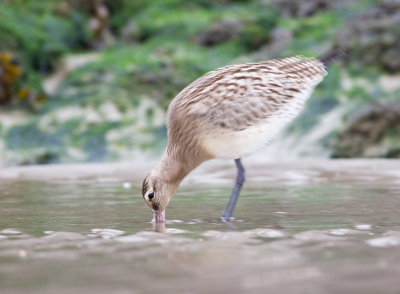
{"points": [[314, 235]]}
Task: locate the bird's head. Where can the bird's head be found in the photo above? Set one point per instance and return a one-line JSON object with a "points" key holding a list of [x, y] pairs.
{"points": [[157, 192]]}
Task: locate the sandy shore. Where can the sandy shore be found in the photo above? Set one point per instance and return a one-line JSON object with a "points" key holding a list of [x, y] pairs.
{"points": [[222, 172]]}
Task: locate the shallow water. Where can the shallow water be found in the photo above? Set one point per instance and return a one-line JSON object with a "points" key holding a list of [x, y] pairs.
{"points": [[309, 238], [35, 207]]}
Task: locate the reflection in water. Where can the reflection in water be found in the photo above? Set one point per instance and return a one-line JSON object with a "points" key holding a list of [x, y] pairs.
{"points": [[98, 239], [80, 207], [159, 227], [229, 226]]}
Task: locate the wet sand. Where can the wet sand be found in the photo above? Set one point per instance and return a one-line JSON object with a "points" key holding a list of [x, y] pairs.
{"points": [[222, 171], [307, 226]]}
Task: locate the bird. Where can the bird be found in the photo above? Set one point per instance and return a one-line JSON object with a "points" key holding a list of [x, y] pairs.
{"points": [[230, 113]]}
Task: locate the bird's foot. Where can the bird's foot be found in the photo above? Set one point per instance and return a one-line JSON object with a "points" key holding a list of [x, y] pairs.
{"points": [[225, 219]]}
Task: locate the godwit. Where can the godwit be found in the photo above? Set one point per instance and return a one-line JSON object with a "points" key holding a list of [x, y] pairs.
{"points": [[231, 112]]}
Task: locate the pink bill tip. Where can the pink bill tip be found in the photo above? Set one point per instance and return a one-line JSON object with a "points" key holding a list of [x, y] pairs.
{"points": [[158, 216]]}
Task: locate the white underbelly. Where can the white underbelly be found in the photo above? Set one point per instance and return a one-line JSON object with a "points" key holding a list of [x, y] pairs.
{"points": [[236, 144], [231, 144]]}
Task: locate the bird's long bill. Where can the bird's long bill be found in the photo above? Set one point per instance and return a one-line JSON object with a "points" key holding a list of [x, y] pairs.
{"points": [[159, 216]]}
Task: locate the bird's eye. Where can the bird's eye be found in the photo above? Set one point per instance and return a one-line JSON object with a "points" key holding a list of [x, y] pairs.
{"points": [[151, 195]]}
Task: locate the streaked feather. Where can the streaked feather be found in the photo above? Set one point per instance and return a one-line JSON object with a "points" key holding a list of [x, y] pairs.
{"points": [[237, 97]]}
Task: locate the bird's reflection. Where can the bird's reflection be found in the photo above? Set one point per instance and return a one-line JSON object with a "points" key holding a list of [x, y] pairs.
{"points": [[229, 226], [159, 227]]}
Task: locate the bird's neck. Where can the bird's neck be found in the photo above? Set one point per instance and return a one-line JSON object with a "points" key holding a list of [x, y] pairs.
{"points": [[174, 167]]}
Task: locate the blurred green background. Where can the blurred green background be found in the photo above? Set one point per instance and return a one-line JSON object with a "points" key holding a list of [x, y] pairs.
{"points": [[90, 80]]}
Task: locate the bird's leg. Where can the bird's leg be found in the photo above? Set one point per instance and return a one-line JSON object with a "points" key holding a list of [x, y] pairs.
{"points": [[235, 192]]}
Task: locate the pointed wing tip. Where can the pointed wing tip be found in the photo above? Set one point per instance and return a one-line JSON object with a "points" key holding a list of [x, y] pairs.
{"points": [[332, 56]]}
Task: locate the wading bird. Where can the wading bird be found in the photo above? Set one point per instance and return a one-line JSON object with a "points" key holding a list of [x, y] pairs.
{"points": [[231, 112]]}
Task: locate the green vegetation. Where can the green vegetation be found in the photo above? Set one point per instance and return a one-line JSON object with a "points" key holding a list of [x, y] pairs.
{"points": [[145, 53]]}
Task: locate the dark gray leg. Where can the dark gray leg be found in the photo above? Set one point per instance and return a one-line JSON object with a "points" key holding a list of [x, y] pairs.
{"points": [[235, 192]]}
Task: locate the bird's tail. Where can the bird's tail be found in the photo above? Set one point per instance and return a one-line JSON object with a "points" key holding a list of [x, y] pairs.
{"points": [[332, 55]]}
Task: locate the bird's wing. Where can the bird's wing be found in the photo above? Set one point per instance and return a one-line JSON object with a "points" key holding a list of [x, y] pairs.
{"points": [[241, 95]]}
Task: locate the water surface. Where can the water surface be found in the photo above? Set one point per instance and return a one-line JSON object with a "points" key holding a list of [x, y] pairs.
{"points": [[326, 237]]}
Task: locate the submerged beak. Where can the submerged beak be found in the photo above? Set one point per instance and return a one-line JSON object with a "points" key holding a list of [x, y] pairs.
{"points": [[159, 216]]}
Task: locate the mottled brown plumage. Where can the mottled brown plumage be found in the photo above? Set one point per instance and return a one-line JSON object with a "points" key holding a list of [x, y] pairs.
{"points": [[230, 112]]}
